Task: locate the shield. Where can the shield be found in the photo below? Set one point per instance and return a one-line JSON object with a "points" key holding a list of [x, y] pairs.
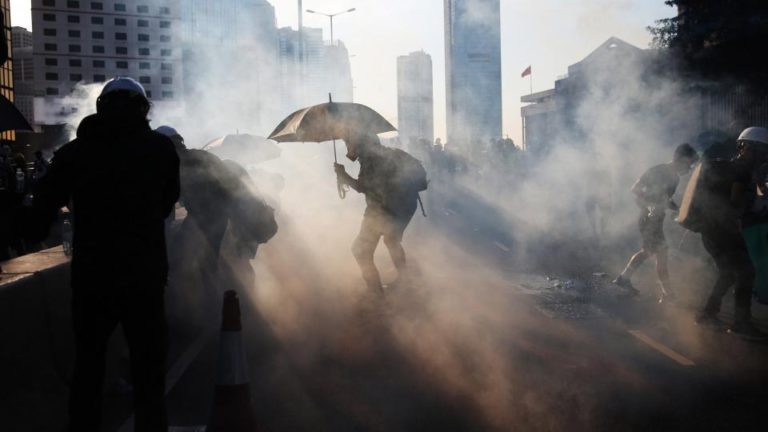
{"points": [[10, 117], [244, 148]]}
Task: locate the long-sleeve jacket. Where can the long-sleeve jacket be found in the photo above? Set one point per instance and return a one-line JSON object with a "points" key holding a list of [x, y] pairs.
{"points": [[122, 181]]}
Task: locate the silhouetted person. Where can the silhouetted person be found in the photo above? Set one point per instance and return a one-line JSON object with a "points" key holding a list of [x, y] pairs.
{"points": [[119, 263], [653, 195], [391, 180], [40, 165], [219, 195], [730, 198]]}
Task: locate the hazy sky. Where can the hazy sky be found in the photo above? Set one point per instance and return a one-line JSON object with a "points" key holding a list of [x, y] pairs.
{"points": [[547, 34]]}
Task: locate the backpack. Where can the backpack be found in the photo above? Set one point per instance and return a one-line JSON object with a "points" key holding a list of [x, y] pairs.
{"points": [[406, 177], [707, 198]]}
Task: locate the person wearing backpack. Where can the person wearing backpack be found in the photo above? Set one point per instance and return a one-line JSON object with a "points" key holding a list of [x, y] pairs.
{"points": [[653, 195], [391, 180], [716, 205]]}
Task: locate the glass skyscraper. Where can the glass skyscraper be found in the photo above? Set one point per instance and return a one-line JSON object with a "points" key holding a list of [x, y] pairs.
{"points": [[473, 72]]}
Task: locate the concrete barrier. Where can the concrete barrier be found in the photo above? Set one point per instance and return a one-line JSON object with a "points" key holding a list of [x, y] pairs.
{"points": [[36, 342]]}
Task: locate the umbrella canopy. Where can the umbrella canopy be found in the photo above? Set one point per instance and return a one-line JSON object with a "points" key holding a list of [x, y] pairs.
{"points": [[10, 117], [244, 148], [329, 121]]}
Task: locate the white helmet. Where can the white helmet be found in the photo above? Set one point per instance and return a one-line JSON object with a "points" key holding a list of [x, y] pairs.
{"points": [[167, 131], [123, 83], [755, 134]]}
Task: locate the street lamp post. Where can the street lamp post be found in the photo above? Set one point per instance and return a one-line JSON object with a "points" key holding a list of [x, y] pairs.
{"points": [[330, 16]]}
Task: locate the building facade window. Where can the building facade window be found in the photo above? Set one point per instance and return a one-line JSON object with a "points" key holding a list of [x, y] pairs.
{"points": [[165, 24], [167, 80], [121, 50], [142, 9], [143, 37], [73, 4], [49, 17], [144, 51], [51, 91], [145, 79], [97, 20], [165, 38], [143, 23], [120, 21], [97, 5], [76, 77], [167, 95], [74, 33], [49, 32], [50, 47], [121, 36], [51, 76], [74, 48], [75, 63], [73, 19], [98, 49], [165, 53], [51, 62], [97, 35], [144, 65], [166, 66], [121, 64], [120, 7], [98, 64], [164, 10], [51, 3], [99, 78]]}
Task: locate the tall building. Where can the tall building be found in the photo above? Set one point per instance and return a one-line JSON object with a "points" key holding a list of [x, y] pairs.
{"points": [[338, 72], [93, 41], [302, 82], [415, 104], [23, 72], [473, 71], [6, 69]]}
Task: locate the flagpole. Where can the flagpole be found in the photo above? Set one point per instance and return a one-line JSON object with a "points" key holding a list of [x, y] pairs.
{"points": [[530, 80]]}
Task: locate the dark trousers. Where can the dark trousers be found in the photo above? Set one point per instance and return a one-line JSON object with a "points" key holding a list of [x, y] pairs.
{"points": [[377, 223], [98, 306], [734, 269]]}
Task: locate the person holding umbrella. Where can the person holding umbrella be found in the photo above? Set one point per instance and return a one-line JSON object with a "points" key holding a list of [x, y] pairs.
{"points": [[391, 180]]}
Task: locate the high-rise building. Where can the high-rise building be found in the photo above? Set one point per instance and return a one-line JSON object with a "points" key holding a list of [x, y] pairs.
{"points": [[93, 41], [473, 71], [6, 69], [302, 81], [338, 72], [23, 72], [415, 105]]}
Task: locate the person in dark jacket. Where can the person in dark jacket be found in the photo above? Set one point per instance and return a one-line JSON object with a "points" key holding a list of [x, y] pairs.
{"points": [[390, 179], [119, 263]]}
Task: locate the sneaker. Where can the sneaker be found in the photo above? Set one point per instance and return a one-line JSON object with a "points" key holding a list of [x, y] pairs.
{"points": [[748, 331], [710, 322], [626, 284]]}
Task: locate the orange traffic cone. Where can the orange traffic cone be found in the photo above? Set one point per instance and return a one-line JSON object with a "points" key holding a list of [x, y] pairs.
{"points": [[232, 411]]}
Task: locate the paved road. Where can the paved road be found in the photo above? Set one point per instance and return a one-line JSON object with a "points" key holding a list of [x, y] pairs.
{"points": [[474, 344]]}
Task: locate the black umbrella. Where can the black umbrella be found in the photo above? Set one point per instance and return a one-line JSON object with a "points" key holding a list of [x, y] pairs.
{"points": [[10, 117], [329, 122], [244, 148]]}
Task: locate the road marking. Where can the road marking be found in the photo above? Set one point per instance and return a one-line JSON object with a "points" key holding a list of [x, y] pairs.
{"points": [[177, 370], [658, 346], [502, 246]]}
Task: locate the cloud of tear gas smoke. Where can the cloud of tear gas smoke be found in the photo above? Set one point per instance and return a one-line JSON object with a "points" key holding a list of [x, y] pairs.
{"points": [[458, 347]]}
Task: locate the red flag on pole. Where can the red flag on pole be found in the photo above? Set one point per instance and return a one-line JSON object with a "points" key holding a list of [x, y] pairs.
{"points": [[526, 72]]}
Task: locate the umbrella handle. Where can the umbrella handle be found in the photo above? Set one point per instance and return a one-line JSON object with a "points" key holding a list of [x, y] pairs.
{"points": [[342, 189]]}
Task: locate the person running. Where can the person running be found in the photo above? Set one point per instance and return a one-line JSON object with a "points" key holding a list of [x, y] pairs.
{"points": [[653, 195], [391, 180]]}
